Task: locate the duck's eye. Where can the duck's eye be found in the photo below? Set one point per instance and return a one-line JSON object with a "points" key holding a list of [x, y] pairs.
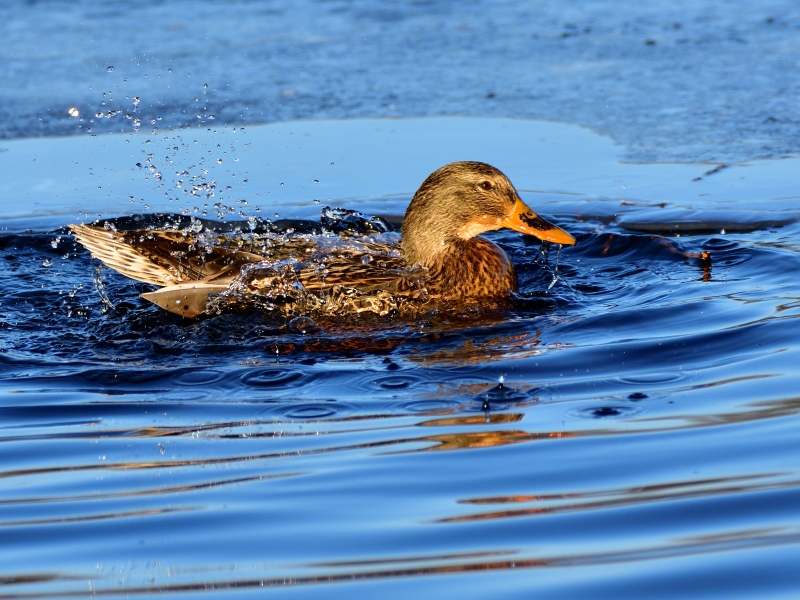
{"points": [[487, 185]]}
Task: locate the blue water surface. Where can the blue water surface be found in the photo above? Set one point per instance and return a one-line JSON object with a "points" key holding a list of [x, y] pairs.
{"points": [[681, 80]]}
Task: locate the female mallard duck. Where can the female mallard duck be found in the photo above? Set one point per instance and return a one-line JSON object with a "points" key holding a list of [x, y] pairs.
{"points": [[439, 247]]}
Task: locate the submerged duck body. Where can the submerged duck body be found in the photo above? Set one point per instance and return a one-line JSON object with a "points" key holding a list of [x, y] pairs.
{"points": [[439, 256]]}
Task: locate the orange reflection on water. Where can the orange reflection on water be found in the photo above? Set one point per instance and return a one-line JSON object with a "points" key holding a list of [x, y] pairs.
{"points": [[602, 499], [473, 420]]}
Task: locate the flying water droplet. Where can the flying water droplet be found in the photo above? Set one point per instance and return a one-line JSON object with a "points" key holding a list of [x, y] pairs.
{"points": [[303, 325], [555, 268], [100, 286]]}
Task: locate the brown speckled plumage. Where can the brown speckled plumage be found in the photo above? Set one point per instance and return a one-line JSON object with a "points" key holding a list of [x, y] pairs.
{"points": [[472, 268], [452, 206]]}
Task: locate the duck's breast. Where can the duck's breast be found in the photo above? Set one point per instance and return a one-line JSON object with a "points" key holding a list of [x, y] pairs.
{"points": [[473, 268]]}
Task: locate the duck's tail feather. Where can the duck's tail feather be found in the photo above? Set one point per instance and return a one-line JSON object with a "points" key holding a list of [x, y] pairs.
{"points": [[163, 257], [114, 251]]}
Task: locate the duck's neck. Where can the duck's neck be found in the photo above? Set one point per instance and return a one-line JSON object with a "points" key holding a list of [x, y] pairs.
{"points": [[424, 244]]}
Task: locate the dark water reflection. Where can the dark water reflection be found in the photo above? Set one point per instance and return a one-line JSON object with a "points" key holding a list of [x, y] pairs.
{"points": [[631, 430]]}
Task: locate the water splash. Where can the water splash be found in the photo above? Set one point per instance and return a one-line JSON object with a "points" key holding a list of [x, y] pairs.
{"points": [[555, 268], [99, 285], [340, 219], [347, 263], [304, 325], [321, 277]]}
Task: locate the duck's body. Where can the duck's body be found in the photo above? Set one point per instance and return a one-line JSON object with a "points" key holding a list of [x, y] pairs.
{"points": [[439, 256]]}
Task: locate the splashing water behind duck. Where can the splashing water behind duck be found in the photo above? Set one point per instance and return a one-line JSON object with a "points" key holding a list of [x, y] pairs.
{"points": [[317, 283]]}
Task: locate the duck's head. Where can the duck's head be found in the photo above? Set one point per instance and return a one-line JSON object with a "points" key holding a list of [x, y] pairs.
{"points": [[462, 200]]}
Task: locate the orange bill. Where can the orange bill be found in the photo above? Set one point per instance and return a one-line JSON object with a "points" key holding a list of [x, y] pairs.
{"points": [[524, 220]]}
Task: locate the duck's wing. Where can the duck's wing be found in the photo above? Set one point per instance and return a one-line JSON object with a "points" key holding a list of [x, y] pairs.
{"points": [[163, 258], [385, 274]]}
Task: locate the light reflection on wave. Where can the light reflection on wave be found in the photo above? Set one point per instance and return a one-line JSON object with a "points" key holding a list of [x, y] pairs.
{"points": [[443, 441], [98, 517], [586, 501], [737, 540], [140, 492]]}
